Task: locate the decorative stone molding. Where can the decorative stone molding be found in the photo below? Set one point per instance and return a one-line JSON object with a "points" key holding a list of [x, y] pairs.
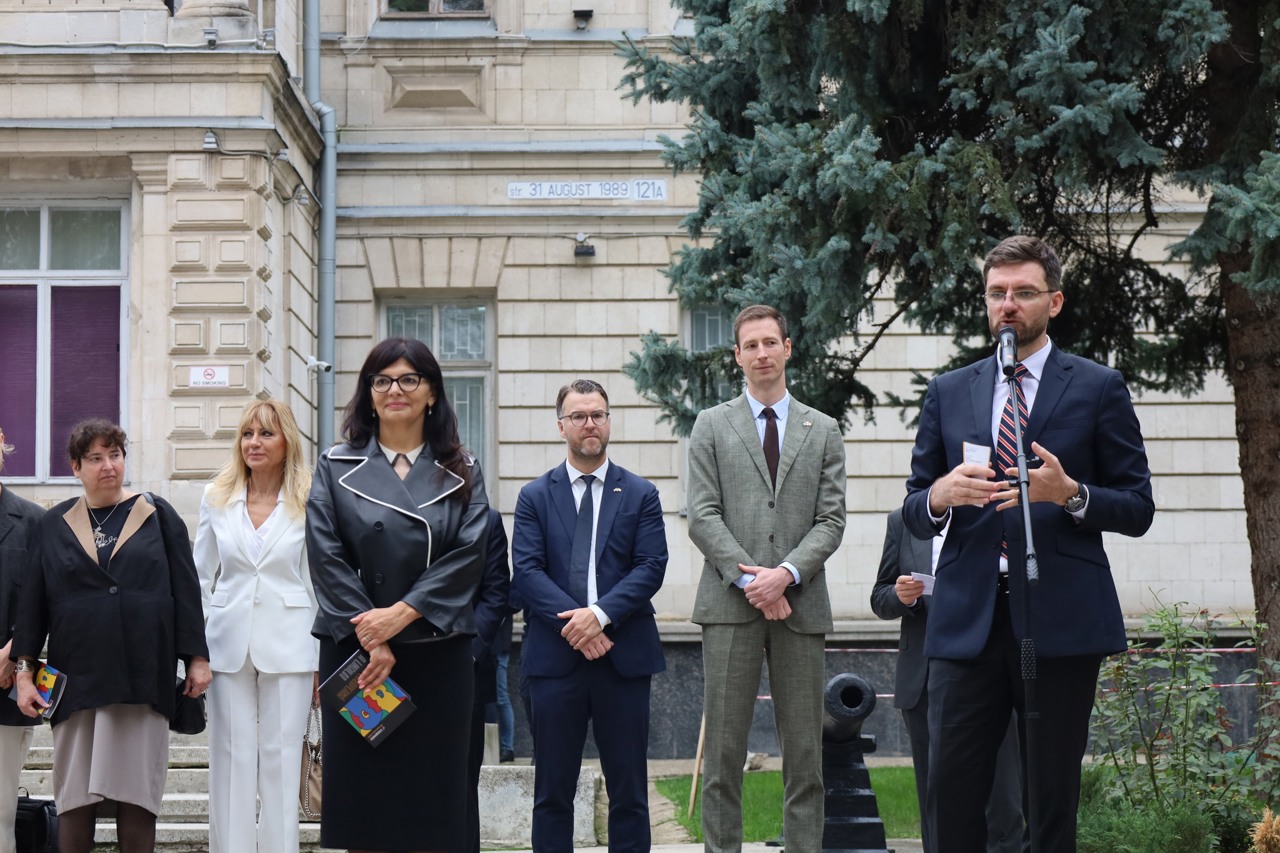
{"points": [[214, 8], [435, 89], [473, 263]]}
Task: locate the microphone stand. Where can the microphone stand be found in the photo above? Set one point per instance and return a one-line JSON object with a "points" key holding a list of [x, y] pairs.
{"points": [[1031, 709]]}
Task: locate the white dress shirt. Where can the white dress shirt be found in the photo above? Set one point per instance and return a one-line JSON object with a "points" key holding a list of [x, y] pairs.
{"points": [[597, 495], [780, 411]]}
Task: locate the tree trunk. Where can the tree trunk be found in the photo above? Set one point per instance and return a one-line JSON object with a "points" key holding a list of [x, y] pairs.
{"points": [[1253, 347], [1253, 341]]}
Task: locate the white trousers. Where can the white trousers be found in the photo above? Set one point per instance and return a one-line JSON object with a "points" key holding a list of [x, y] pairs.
{"points": [[256, 725], [14, 742]]}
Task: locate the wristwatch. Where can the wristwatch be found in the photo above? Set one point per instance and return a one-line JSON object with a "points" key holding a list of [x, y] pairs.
{"points": [[24, 665], [1076, 502]]}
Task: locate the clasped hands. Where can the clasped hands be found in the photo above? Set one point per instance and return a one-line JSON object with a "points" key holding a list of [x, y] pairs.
{"points": [[765, 593], [970, 484], [373, 629], [584, 632]]}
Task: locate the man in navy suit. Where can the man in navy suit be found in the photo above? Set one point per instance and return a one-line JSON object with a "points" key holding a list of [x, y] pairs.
{"points": [[898, 595], [589, 552], [1091, 477]]}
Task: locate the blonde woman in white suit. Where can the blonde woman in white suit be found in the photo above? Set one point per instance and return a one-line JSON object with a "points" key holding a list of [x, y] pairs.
{"points": [[259, 605]]}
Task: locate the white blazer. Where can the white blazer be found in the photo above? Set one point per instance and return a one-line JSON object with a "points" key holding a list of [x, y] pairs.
{"points": [[260, 611]]}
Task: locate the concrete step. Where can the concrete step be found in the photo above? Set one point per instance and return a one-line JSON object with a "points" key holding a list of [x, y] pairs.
{"points": [[181, 780], [179, 756], [506, 801], [43, 736], [194, 837], [179, 831], [184, 750]]}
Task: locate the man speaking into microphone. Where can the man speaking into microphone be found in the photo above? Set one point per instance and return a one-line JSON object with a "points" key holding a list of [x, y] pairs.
{"points": [[1088, 475]]}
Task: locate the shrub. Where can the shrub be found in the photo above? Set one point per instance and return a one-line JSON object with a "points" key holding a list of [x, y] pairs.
{"points": [[1168, 741], [1110, 826]]}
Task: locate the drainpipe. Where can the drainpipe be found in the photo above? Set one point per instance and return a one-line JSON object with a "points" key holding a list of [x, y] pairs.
{"points": [[327, 249], [311, 50], [325, 291]]}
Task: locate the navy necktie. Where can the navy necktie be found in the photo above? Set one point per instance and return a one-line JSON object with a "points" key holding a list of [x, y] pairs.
{"points": [[580, 555]]}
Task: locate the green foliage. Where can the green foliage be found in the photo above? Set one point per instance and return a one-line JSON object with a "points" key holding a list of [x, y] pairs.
{"points": [[854, 150], [1113, 828], [1252, 215], [895, 789], [1166, 741]]}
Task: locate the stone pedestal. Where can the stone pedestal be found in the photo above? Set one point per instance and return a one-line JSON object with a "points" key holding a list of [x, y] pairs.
{"points": [[506, 806]]}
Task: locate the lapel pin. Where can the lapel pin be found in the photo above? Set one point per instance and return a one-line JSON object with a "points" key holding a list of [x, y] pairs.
{"points": [[807, 423], [617, 488]]}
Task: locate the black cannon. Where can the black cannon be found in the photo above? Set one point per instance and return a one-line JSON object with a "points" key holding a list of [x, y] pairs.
{"points": [[853, 822]]}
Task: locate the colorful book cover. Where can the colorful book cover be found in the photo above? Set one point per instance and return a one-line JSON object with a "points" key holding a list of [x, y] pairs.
{"points": [[50, 683], [374, 712]]}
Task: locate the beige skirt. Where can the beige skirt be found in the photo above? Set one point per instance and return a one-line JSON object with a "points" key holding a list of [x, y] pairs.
{"points": [[120, 752]]}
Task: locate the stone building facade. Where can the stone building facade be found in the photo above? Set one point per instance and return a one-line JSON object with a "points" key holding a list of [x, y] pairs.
{"points": [[495, 195]]}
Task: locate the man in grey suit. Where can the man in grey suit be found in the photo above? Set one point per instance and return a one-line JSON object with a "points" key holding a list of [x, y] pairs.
{"points": [[896, 595], [766, 509]]}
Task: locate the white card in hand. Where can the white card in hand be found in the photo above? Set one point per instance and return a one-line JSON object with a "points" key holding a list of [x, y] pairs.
{"points": [[927, 580], [976, 454]]}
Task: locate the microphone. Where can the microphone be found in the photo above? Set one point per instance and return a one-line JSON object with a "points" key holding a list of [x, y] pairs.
{"points": [[1008, 349]]}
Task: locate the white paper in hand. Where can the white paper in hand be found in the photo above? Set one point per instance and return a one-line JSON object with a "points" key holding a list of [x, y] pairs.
{"points": [[976, 454], [926, 579]]}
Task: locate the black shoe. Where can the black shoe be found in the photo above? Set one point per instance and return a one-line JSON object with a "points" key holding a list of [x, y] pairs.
{"points": [[506, 756]]}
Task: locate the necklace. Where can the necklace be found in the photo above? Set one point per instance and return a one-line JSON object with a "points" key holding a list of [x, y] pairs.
{"points": [[100, 539]]}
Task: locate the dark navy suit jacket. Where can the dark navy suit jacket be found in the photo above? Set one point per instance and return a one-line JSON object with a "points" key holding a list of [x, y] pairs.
{"points": [[491, 610], [1083, 415], [631, 560]]}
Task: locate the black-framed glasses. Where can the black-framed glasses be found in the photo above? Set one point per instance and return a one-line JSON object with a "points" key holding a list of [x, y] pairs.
{"points": [[1022, 295], [408, 383], [579, 419]]}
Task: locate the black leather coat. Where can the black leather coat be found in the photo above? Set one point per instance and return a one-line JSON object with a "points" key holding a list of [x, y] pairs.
{"points": [[374, 540]]}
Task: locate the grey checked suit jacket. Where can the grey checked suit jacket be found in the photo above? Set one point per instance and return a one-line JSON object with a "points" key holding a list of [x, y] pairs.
{"points": [[735, 516]]}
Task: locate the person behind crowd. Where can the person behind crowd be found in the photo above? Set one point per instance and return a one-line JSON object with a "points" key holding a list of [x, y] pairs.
{"points": [[1090, 476], [251, 554], [115, 593], [397, 526], [502, 694], [898, 594], [491, 610], [767, 510], [19, 521]]}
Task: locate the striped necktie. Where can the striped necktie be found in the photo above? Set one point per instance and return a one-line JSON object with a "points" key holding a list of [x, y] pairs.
{"points": [[1006, 447]]}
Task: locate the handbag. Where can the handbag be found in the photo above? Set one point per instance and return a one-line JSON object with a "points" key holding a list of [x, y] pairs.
{"points": [[309, 795], [35, 829], [188, 712]]}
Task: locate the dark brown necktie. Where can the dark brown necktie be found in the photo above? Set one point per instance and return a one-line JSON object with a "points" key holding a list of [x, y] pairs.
{"points": [[771, 443]]}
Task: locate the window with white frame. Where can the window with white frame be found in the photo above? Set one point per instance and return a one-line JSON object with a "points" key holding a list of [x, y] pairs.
{"points": [[460, 335], [711, 327], [439, 8], [63, 267]]}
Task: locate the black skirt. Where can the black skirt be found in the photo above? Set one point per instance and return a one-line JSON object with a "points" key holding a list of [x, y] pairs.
{"points": [[409, 792]]}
